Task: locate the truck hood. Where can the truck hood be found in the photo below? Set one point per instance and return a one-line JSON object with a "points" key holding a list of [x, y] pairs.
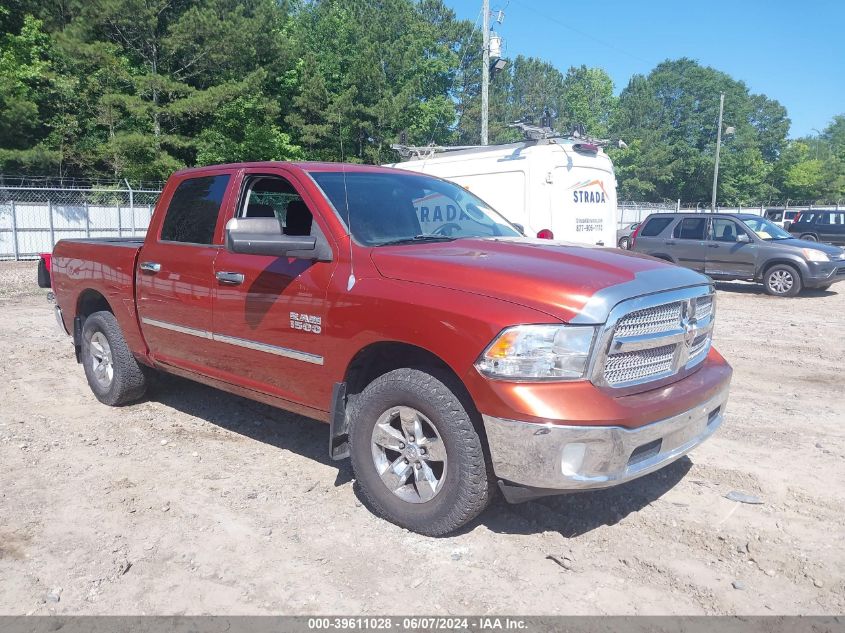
{"points": [[569, 282]]}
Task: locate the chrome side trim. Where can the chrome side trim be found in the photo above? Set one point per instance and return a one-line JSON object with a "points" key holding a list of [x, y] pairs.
{"points": [[239, 342], [531, 454], [60, 319], [182, 329], [269, 349]]}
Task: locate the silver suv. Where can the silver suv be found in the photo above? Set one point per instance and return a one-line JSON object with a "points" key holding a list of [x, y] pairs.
{"points": [[740, 246]]}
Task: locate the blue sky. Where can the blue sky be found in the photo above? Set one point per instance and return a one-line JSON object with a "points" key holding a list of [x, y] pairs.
{"points": [[791, 51]]}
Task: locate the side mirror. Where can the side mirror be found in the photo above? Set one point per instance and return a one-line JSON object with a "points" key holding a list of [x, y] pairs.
{"points": [[743, 238], [519, 227], [263, 236]]}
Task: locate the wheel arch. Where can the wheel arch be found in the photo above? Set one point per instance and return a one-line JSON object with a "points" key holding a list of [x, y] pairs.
{"points": [[91, 301], [798, 265]]}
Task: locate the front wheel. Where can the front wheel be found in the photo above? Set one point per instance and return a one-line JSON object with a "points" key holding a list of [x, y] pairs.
{"points": [[625, 243], [782, 281], [113, 374], [416, 455]]}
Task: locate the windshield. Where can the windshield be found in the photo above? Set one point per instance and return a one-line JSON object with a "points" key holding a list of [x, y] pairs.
{"points": [[765, 230], [386, 208]]}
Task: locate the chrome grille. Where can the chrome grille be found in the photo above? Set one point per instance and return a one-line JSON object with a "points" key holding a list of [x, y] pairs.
{"points": [[698, 345], [639, 365], [651, 320], [655, 337]]}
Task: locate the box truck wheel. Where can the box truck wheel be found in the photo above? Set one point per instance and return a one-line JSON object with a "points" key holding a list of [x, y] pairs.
{"points": [[113, 374], [417, 457]]}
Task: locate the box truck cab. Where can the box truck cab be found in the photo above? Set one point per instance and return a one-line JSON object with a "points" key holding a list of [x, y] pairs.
{"points": [[559, 188]]}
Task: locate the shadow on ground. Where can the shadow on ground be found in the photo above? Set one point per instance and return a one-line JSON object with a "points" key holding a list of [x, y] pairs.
{"points": [[571, 515], [747, 288]]}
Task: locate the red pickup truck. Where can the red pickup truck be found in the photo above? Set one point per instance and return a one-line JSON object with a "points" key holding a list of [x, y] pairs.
{"points": [[448, 353]]}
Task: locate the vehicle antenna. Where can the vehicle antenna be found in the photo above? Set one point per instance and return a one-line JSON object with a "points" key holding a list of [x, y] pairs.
{"points": [[350, 283]]}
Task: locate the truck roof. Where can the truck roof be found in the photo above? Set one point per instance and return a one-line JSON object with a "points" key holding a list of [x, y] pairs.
{"points": [[304, 165]]}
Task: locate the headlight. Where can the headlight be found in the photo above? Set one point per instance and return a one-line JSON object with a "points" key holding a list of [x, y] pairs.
{"points": [[813, 255], [539, 352]]}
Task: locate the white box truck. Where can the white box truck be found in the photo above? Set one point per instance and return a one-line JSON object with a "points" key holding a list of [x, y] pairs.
{"points": [[558, 188]]}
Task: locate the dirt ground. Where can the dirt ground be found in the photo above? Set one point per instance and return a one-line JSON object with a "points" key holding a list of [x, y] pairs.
{"points": [[194, 501]]}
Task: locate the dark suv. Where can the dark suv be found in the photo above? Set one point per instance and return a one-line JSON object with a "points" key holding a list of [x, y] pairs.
{"points": [[820, 226], [741, 246]]}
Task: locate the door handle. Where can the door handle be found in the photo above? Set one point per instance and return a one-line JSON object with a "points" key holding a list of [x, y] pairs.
{"points": [[669, 242], [150, 267], [712, 246], [233, 279]]}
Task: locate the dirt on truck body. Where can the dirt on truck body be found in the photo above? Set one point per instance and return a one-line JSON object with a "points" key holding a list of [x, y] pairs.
{"points": [[448, 362]]}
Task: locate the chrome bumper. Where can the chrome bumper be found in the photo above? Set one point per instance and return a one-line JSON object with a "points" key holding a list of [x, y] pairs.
{"points": [[60, 320], [553, 456]]}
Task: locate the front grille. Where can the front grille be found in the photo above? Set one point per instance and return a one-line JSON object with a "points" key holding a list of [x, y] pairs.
{"points": [[651, 320], [639, 365], [698, 345], [657, 340]]}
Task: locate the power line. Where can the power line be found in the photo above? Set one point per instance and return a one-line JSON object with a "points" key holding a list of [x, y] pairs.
{"points": [[589, 36]]}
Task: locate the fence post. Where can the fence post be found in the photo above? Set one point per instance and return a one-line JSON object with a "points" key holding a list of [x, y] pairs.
{"points": [[119, 221], [87, 220], [131, 205], [15, 230], [52, 228]]}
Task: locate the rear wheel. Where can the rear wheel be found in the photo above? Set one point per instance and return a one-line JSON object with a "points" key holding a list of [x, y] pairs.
{"points": [[113, 374], [809, 237], [782, 280], [416, 455]]}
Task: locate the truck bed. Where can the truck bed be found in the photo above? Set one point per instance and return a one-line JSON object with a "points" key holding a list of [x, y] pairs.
{"points": [[86, 271]]}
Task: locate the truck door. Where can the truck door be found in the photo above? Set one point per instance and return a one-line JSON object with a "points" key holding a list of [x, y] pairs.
{"points": [[269, 311], [176, 271], [726, 256]]}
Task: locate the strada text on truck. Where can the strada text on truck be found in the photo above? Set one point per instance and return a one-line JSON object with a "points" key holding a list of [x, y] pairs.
{"points": [[445, 365]]}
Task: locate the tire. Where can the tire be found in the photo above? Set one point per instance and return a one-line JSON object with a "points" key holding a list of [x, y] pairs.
{"points": [[782, 280], [809, 237], [400, 399], [120, 379], [625, 243]]}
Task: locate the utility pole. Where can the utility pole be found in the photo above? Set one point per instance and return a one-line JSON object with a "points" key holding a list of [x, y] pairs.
{"points": [[485, 68], [718, 147]]}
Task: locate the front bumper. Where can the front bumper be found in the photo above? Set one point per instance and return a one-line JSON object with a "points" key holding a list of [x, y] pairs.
{"points": [[560, 458], [824, 273]]}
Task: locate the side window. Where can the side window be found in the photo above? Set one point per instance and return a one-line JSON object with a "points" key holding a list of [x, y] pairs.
{"points": [[835, 219], [725, 230], [691, 229], [655, 226], [275, 197], [193, 210]]}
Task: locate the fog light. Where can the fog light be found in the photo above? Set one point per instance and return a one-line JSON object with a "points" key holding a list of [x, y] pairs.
{"points": [[572, 459]]}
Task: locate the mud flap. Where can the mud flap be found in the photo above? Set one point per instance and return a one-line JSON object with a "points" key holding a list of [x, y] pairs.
{"points": [[338, 424]]}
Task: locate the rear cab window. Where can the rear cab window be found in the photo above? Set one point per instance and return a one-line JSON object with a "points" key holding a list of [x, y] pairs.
{"points": [[655, 226], [193, 211], [691, 229]]}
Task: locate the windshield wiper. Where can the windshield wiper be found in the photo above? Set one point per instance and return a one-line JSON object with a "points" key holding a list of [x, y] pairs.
{"points": [[418, 238]]}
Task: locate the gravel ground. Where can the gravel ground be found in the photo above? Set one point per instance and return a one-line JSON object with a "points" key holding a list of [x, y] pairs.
{"points": [[194, 501]]}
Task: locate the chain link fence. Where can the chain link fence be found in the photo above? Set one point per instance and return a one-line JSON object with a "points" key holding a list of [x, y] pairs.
{"points": [[34, 218]]}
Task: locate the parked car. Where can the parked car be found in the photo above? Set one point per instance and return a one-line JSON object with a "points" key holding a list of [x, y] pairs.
{"points": [[623, 235], [782, 217], [741, 246], [820, 226], [443, 365]]}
